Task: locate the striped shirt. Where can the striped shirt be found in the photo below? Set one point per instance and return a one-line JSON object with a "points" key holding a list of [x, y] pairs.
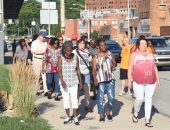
{"points": [[103, 68]]}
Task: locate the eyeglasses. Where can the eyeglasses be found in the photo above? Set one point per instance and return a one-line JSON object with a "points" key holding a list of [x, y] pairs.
{"points": [[60, 39]]}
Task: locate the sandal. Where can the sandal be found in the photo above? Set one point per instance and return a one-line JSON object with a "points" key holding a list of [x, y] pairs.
{"points": [[136, 117], [88, 109], [148, 124]]}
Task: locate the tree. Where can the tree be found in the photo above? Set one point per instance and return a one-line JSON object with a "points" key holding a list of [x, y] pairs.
{"points": [[94, 34]]}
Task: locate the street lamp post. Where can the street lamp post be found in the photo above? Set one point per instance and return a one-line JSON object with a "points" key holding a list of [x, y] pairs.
{"points": [[129, 7]]}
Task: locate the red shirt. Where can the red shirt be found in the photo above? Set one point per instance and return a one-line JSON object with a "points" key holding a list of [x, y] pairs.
{"points": [[51, 57]]}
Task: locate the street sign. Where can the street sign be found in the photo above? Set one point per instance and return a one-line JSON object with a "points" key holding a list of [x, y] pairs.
{"points": [[48, 5], [49, 16]]}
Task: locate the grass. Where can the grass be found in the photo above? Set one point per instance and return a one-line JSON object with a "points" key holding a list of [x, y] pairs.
{"points": [[13, 123], [4, 78]]}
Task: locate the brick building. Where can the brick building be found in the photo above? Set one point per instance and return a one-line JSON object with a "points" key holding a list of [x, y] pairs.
{"points": [[109, 4], [152, 15]]}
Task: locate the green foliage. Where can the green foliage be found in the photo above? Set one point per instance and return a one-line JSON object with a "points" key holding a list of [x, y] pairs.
{"points": [[13, 123], [4, 78], [94, 34], [31, 10]]}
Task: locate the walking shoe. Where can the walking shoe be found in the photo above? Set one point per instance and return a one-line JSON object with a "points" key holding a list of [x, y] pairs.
{"points": [[57, 99], [129, 93], [122, 93], [49, 96], [46, 94], [109, 118], [76, 122], [67, 121], [102, 120], [38, 93]]}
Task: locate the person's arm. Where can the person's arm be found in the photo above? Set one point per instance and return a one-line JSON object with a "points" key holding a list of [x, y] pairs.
{"points": [[43, 66], [114, 64], [152, 48], [29, 48], [60, 72], [130, 69], [34, 49], [79, 74], [133, 48], [94, 72], [157, 77]]}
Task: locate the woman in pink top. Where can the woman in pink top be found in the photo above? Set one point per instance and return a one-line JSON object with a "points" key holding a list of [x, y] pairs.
{"points": [[145, 79]]}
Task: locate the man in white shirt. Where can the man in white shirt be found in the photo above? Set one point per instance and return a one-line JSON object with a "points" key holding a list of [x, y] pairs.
{"points": [[38, 48]]}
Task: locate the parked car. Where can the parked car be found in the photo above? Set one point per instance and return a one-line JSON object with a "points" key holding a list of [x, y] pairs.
{"points": [[115, 48], [5, 47], [162, 47]]}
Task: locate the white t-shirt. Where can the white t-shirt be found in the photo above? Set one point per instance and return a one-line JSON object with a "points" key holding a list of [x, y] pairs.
{"points": [[82, 65]]}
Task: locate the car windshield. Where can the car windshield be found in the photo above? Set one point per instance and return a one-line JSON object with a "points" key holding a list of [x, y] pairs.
{"points": [[113, 47], [159, 42]]}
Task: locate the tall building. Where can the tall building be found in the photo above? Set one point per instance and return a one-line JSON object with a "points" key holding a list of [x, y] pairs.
{"points": [[109, 4]]}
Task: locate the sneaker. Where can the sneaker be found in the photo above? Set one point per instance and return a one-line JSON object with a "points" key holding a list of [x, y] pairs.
{"points": [[67, 121], [49, 96], [57, 99], [109, 118], [129, 93], [38, 93], [122, 93], [76, 122], [102, 120], [46, 94]]}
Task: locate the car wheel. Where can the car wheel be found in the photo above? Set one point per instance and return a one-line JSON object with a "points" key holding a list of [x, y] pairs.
{"points": [[159, 67]]}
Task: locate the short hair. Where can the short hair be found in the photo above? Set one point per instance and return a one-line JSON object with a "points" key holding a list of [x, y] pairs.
{"points": [[79, 41]]}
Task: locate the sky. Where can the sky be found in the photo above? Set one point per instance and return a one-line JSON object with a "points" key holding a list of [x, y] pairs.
{"points": [[40, 0]]}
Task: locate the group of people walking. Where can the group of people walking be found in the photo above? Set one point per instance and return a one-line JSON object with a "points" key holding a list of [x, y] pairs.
{"points": [[71, 66]]}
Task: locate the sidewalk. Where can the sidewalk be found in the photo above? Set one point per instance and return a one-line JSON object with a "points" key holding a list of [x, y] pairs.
{"points": [[53, 111]]}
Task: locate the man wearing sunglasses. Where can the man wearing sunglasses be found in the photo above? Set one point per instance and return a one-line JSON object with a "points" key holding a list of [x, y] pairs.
{"points": [[38, 48]]}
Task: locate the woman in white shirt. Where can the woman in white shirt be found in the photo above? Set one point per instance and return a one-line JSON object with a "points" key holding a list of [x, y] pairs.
{"points": [[84, 59]]}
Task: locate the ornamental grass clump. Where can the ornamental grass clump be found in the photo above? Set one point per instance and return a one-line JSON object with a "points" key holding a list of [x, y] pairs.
{"points": [[22, 83]]}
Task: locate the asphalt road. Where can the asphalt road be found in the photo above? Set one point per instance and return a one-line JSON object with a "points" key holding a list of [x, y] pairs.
{"points": [[161, 98]]}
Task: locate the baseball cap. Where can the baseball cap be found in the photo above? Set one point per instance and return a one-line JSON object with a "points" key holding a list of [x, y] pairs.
{"points": [[74, 36], [42, 34]]}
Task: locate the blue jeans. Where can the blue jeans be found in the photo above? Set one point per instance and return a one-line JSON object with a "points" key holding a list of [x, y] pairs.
{"points": [[49, 78], [109, 87]]}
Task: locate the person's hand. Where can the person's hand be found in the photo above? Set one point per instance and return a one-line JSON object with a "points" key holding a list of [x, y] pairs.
{"points": [[129, 84], [80, 86], [95, 82], [158, 84], [90, 58], [43, 70], [63, 84]]}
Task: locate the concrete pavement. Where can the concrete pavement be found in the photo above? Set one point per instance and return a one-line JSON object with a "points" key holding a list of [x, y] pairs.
{"points": [[122, 116]]}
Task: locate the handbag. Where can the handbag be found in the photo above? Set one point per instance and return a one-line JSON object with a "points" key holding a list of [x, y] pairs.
{"points": [[82, 59]]}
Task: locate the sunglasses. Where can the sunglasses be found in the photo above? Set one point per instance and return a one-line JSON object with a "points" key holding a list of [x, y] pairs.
{"points": [[60, 39]]}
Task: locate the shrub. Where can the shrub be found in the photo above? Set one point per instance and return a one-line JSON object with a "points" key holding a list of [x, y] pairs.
{"points": [[22, 83]]}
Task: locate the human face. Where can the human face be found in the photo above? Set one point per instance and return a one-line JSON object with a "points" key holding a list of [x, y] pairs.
{"points": [[55, 45], [60, 41], [93, 43], [68, 51], [41, 38], [23, 42], [102, 47], [143, 45], [81, 45]]}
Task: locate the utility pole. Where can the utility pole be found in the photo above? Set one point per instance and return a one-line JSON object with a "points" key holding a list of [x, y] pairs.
{"points": [[62, 10], [129, 8]]}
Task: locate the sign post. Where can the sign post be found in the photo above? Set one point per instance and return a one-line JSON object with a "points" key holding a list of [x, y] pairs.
{"points": [[50, 15]]}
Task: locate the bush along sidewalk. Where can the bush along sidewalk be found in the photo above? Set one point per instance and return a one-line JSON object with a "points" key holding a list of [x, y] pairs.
{"points": [[22, 82]]}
